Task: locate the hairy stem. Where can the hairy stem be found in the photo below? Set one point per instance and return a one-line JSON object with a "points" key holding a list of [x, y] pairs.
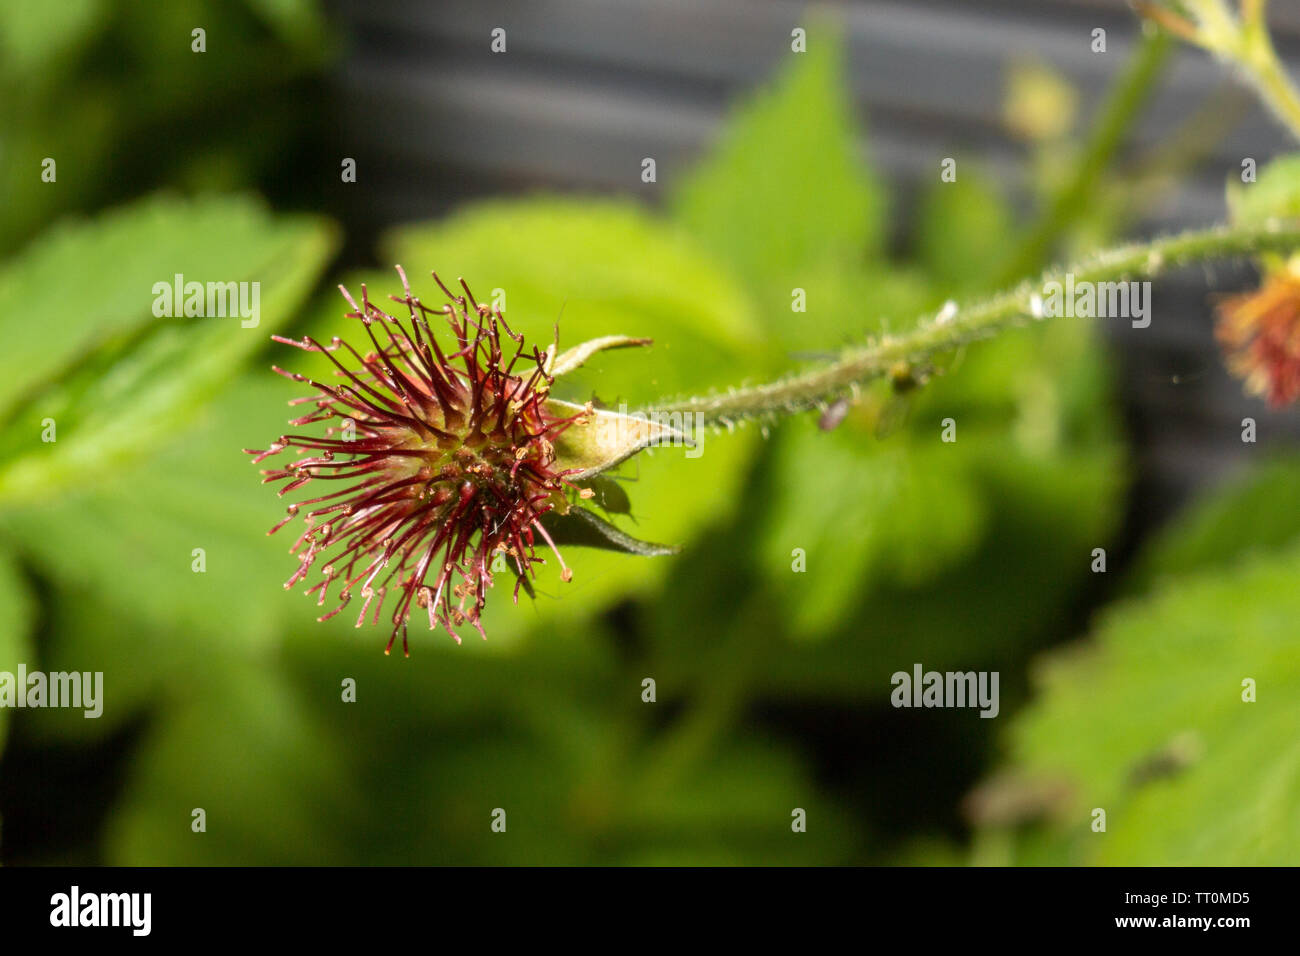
{"points": [[1243, 41], [978, 320], [1274, 84]]}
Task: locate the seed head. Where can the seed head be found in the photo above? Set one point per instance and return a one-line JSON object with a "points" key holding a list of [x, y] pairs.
{"points": [[443, 459], [1260, 331]]}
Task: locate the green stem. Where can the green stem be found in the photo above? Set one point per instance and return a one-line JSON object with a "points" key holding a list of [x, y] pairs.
{"points": [[1244, 41], [1116, 117], [1275, 87], [858, 365]]}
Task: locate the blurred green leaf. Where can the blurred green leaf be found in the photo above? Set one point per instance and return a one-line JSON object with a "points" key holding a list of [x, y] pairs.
{"points": [[783, 198], [1031, 413], [793, 212], [861, 511], [129, 541], [789, 158], [243, 749], [128, 378], [1258, 512], [1149, 723], [963, 231], [1275, 194], [33, 35], [594, 269], [986, 606]]}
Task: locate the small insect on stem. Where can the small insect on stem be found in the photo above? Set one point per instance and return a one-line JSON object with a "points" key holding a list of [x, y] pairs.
{"points": [[835, 413]]}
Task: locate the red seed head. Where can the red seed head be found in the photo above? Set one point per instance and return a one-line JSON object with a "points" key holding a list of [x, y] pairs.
{"points": [[1261, 333], [442, 459]]}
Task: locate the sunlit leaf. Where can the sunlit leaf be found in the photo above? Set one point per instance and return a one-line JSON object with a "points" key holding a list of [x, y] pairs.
{"points": [[1258, 512], [784, 190], [1188, 770], [128, 377]]}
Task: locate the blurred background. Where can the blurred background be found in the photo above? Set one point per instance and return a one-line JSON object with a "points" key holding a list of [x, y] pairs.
{"points": [[308, 143]]}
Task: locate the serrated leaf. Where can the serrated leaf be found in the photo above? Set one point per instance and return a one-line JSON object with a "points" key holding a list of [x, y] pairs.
{"points": [[84, 283], [129, 378], [1255, 513], [784, 190], [1149, 722]]}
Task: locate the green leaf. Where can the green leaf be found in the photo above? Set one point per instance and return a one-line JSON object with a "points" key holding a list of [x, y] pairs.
{"points": [[861, 512], [595, 269], [1149, 723], [563, 363], [963, 231], [243, 749], [17, 614], [34, 35], [784, 190], [1030, 414], [126, 379], [128, 544], [1275, 194], [580, 527], [1258, 512]]}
